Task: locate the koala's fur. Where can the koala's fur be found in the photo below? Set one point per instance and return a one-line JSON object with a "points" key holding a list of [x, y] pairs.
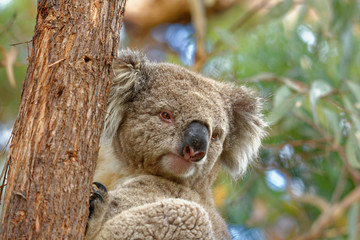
{"points": [[154, 193]]}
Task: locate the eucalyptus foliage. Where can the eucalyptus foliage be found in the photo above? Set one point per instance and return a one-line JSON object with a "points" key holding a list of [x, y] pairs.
{"points": [[304, 58]]}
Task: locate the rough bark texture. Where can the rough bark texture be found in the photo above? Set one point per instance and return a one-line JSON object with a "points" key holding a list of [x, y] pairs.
{"points": [[56, 134]]}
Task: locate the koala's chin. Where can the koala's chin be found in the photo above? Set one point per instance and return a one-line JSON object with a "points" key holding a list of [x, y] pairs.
{"points": [[179, 166]]}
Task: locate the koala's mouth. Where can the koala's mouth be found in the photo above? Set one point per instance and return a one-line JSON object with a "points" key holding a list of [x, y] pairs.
{"points": [[177, 165]]}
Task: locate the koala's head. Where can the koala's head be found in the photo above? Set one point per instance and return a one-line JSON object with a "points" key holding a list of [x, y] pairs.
{"points": [[165, 120]]}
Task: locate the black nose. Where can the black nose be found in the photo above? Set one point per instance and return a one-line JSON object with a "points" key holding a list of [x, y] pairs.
{"points": [[195, 142]]}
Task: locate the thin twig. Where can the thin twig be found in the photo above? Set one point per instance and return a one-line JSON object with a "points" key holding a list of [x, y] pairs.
{"points": [[340, 186], [308, 198], [249, 15], [296, 143], [311, 199], [15, 44], [239, 23], [336, 232], [245, 189], [330, 215], [313, 125], [3, 177], [198, 16], [355, 175]]}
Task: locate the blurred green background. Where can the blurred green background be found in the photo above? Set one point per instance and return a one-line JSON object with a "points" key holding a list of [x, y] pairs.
{"points": [[303, 57]]}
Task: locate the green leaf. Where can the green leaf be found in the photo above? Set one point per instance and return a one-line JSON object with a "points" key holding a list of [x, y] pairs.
{"points": [[281, 110], [352, 221], [353, 112], [334, 125], [353, 151], [323, 9], [296, 85], [281, 95], [355, 89], [279, 10], [318, 89], [347, 50], [227, 37]]}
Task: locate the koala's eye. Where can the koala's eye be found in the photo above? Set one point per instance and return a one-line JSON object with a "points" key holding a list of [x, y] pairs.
{"points": [[215, 136], [166, 116]]}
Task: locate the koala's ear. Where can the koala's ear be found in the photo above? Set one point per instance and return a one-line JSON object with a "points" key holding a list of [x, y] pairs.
{"points": [[130, 77], [247, 128]]}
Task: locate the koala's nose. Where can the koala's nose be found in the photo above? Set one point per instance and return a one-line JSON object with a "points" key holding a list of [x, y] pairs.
{"points": [[195, 142]]}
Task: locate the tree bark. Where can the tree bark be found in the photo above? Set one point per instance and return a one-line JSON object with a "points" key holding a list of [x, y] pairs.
{"points": [[56, 134]]}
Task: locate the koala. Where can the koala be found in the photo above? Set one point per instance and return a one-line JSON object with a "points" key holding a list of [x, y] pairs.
{"points": [[166, 134]]}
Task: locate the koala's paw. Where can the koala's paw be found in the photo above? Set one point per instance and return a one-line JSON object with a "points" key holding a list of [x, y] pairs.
{"points": [[97, 209], [98, 195]]}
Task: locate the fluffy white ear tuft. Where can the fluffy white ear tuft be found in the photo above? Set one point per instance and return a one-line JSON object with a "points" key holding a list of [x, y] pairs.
{"points": [[130, 76], [247, 129]]}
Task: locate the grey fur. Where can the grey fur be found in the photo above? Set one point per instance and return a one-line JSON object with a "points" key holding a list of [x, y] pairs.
{"points": [[138, 158]]}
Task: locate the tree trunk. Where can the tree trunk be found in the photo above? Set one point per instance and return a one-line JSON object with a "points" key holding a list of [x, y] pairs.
{"points": [[56, 135]]}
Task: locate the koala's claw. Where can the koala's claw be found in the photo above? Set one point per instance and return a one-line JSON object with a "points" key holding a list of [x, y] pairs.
{"points": [[98, 197], [95, 195], [100, 186], [99, 192]]}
